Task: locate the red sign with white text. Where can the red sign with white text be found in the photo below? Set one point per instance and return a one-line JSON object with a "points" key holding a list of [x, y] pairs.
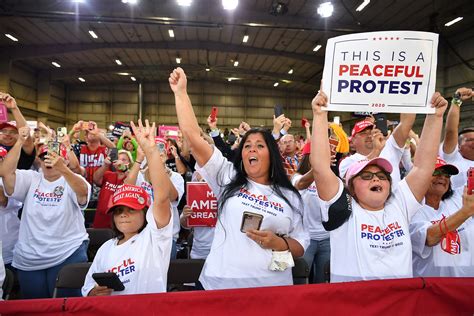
{"points": [[204, 204]]}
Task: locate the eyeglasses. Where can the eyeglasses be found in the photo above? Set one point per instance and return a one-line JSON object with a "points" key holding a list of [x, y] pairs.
{"points": [[367, 175], [8, 132], [291, 141], [440, 172]]}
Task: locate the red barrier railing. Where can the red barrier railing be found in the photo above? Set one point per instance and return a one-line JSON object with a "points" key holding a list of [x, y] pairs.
{"points": [[429, 296]]}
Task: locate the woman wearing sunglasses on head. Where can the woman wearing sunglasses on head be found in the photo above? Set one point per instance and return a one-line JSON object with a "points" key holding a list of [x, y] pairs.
{"points": [[140, 253], [368, 223], [259, 225], [442, 232]]}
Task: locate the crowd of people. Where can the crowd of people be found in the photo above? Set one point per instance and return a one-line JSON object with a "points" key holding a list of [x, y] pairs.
{"points": [[368, 206]]}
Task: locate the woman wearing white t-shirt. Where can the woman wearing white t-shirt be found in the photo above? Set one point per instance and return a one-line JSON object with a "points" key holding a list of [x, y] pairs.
{"points": [[442, 232], [52, 232], [368, 223], [140, 253], [318, 253], [252, 192]]}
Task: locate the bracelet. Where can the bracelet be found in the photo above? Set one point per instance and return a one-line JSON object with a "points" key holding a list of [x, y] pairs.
{"points": [[177, 158]]}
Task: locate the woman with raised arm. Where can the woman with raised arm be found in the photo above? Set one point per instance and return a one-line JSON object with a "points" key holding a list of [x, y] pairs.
{"points": [[260, 221], [140, 252], [368, 223]]}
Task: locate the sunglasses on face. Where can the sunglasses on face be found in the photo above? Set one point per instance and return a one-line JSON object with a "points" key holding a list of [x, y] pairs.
{"points": [[367, 175], [440, 172]]}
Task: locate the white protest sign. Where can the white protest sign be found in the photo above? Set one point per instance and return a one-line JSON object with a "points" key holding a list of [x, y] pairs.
{"points": [[391, 72]]}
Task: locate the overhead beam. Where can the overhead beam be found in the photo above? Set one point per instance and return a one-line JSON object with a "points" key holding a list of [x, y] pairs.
{"points": [[36, 51]]}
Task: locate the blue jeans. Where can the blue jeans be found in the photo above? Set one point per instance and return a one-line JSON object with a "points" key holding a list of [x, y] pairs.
{"points": [[41, 283], [316, 256]]}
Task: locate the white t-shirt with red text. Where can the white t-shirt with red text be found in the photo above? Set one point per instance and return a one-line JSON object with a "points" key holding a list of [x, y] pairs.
{"points": [[235, 260], [9, 227], [52, 223], [141, 263], [178, 183], [434, 261], [373, 244]]}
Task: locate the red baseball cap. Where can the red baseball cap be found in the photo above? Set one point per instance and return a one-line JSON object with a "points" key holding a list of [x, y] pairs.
{"points": [[449, 169], [360, 126], [132, 196], [8, 124], [62, 150]]}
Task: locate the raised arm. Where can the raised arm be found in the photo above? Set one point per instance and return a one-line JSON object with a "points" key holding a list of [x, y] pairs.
{"points": [[159, 179], [452, 121], [305, 181], [419, 177], [188, 123], [71, 156], [8, 167], [133, 172], [320, 152], [401, 132]]}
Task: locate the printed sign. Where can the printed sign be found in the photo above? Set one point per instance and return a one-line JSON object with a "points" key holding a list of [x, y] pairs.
{"points": [[391, 72], [167, 131], [204, 204], [119, 128], [3, 113]]}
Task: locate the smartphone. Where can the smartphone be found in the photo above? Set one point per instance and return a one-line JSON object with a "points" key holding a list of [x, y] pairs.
{"points": [[250, 221], [61, 132], [470, 180], [85, 126], [278, 110], [53, 147], [214, 114], [337, 120], [109, 279], [113, 154], [3, 112], [303, 122], [381, 123]]}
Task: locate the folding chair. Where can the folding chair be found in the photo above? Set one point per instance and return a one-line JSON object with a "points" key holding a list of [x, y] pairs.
{"points": [[183, 271], [97, 237], [300, 271], [8, 284], [71, 276]]}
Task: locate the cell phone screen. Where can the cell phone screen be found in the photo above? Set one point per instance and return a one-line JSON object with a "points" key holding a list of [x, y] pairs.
{"points": [[381, 123], [250, 221]]}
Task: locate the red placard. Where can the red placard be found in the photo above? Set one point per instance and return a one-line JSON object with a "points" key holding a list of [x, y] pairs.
{"points": [[167, 131], [204, 204], [3, 113]]}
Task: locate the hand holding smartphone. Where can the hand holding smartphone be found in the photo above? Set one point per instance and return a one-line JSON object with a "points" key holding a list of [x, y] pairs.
{"points": [[278, 110], [381, 123], [110, 280], [470, 180]]}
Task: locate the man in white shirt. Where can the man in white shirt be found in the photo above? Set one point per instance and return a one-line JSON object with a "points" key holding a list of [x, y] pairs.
{"points": [[458, 148]]}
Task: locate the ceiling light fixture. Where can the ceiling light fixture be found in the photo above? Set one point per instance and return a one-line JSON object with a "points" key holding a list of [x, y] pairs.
{"points": [[133, 78], [130, 1], [13, 38], [55, 64], [236, 63], [81, 79], [276, 84], [118, 62], [184, 3], [208, 69], [123, 73], [171, 33], [245, 39], [78, 1], [325, 9], [317, 47], [362, 5], [290, 71], [92, 34], [456, 20], [178, 60], [230, 4]]}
